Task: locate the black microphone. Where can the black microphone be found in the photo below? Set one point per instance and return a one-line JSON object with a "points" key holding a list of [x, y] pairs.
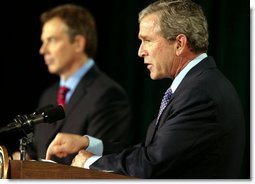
{"points": [[25, 123], [44, 108]]}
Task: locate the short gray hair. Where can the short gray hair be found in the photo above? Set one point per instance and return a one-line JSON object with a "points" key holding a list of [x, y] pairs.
{"points": [[181, 17]]}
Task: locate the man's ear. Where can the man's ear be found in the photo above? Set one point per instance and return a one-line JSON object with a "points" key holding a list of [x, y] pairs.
{"points": [[181, 43], [80, 42]]}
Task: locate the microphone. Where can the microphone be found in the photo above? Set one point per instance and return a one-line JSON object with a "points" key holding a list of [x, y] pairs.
{"points": [[41, 109], [25, 123]]}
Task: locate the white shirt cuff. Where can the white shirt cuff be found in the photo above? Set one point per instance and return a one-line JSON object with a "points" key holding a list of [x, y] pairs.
{"points": [[90, 161], [95, 146]]}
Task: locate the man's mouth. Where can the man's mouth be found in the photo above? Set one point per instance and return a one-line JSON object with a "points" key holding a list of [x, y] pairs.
{"points": [[149, 66]]}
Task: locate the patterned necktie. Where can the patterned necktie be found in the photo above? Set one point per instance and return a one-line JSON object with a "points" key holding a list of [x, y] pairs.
{"points": [[164, 102], [61, 99]]}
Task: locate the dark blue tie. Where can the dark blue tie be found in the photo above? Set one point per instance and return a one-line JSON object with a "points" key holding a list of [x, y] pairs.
{"points": [[164, 102]]}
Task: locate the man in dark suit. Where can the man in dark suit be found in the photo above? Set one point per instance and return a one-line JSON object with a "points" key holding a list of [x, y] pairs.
{"points": [[95, 105], [199, 132]]}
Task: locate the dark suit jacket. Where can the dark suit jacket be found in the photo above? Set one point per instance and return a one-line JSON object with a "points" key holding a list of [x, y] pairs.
{"points": [[199, 135], [98, 107]]}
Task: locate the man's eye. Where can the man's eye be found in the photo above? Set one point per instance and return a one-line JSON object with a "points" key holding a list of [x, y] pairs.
{"points": [[52, 39]]}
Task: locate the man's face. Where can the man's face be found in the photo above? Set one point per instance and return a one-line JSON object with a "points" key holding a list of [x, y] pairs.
{"points": [[158, 52], [58, 51]]}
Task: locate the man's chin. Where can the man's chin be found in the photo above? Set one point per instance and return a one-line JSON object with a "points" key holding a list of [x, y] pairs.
{"points": [[52, 70], [156, 77], [153, 77]]}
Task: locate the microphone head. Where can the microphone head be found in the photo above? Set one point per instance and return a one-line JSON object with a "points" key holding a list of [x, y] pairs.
{"points": [[42, 109], [54, 114]]}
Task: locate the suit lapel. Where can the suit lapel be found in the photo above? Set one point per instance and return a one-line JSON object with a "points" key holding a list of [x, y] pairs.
{"points": [[154, 127], [81, 89], [79, 93], [205, 64]]}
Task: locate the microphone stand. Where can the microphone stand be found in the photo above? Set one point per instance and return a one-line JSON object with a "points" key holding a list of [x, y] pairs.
{"points": [[25, 124], [24, 141]]}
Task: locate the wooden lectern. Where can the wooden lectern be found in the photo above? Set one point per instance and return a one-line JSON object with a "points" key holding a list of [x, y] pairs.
{"points": [[26, 169]]}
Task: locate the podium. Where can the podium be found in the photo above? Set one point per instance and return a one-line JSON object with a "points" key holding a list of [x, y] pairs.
{"points": [[26, 169]]}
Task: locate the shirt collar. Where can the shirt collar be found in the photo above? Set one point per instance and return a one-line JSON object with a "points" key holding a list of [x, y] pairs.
{"points": [[73, 80], [187, 68]]}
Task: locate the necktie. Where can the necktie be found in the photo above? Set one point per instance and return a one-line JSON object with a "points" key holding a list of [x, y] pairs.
{"points": [[164, 102], [61, 99]]}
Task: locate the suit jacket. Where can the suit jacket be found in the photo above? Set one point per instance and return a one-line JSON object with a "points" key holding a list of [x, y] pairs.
{"points": [[199, 135], [99, 107]]}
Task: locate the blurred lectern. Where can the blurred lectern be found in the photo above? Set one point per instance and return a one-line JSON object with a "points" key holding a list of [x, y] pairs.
{"points": [[26, 169], [19, 169]]}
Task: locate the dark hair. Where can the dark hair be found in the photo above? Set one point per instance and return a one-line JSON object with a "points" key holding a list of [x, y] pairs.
{"points": [[79, 22]]}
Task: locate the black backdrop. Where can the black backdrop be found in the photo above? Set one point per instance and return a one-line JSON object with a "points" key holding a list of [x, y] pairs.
{"points": [[24, 74]]}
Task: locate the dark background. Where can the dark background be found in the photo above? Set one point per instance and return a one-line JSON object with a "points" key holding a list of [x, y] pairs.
{"points": [[24, 74]]}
